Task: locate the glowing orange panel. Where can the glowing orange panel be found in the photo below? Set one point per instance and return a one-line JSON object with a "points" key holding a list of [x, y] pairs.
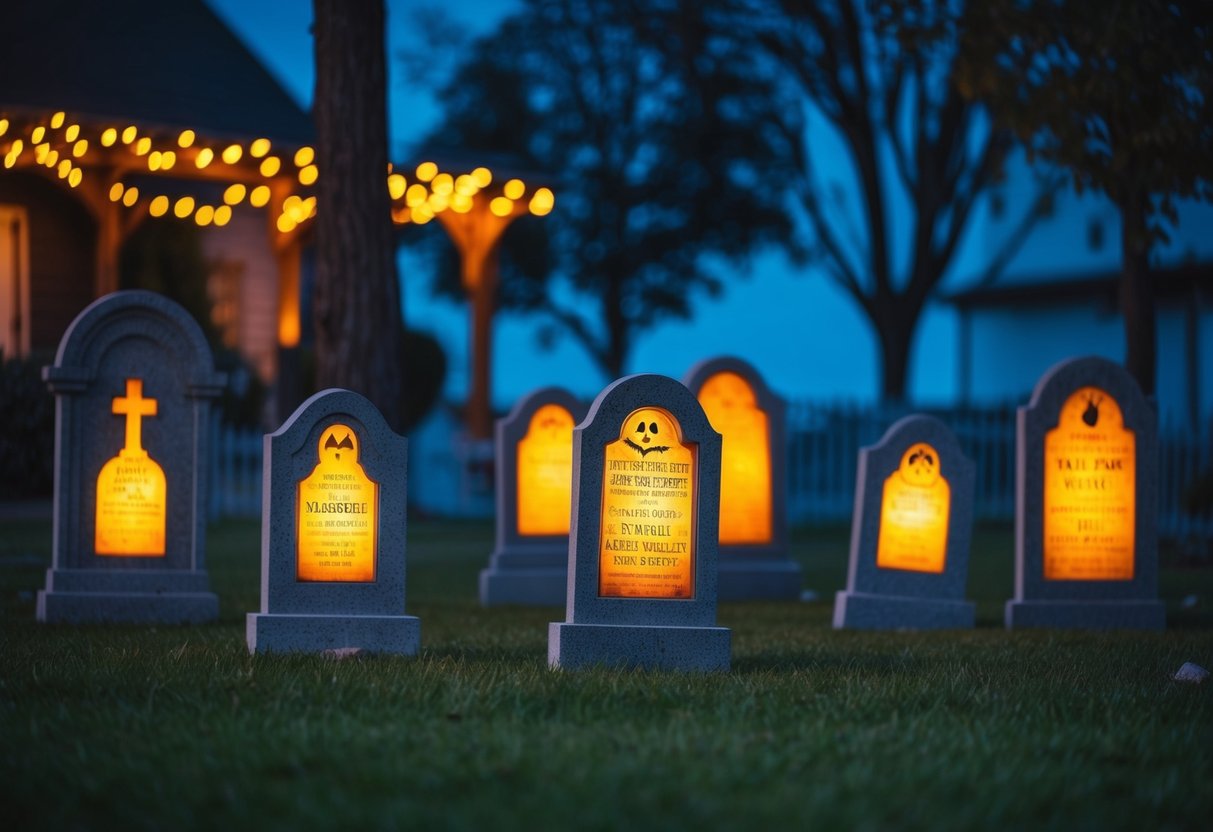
{"points": [[131, 489], [914, 509], [647, 540], [745, 461], [337, 509], [545, 472], [1089, 491]]}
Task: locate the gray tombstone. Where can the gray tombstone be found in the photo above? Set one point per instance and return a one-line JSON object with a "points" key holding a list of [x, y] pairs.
{"points": [[750, 418], [643, 542], [1086, 485], [534, 449], [333, 533], [910, 532], [133, 381]]}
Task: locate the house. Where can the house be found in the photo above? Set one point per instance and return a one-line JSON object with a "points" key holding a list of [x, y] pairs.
{"points": [[1057, 298], [113, 113]]}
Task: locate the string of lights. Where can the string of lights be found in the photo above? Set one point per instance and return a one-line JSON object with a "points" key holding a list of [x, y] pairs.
{"points": [[122, 158]]}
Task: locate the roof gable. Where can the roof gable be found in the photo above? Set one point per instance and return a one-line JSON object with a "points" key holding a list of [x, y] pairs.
{"points": [[170, 64]]}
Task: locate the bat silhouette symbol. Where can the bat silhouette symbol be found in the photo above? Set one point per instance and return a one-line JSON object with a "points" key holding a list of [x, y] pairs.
{"points": [[332, 442]]}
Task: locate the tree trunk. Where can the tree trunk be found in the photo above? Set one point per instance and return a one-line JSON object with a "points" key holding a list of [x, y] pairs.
{"points": [[894, 319], [357, 296], [616, 342], [1137, 293], [482, 300]]}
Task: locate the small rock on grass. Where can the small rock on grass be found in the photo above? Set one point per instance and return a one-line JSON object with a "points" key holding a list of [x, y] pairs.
{"points": [[1191, 673]]}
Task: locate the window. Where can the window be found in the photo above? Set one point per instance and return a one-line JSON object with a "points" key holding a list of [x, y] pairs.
{"points": [[14, 281]]}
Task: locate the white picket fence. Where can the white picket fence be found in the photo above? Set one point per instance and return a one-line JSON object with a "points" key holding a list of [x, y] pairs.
{"points": [[451, 477], [823, 455], [235, 475], [1183, 459], [448, 476]]}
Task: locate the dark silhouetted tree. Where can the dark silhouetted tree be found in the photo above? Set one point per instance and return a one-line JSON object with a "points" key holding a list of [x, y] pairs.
{"points": [[654, 128], [918, 155], [357, 298], [1119, 93]]}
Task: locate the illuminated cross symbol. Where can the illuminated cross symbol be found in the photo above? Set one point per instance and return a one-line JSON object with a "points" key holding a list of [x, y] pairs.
{"points": [[134, 407]]}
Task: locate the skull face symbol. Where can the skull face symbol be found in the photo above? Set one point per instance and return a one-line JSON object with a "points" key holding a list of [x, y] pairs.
{"points": [[338, 446], [552, 422], [727, 391], [920, 465], [648, 430]]}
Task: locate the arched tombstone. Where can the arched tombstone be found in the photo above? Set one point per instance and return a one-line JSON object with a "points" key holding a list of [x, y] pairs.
{"points": [[333, 533], [1086, 480], [534, 450], [910, 532], [133, 381], [643, 542], [750, 418]]}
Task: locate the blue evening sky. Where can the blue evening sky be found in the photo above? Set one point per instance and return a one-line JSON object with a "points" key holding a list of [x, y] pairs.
{"points": [[805, 337]]}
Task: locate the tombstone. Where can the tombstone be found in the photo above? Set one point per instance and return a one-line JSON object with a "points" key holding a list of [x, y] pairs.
{"points": [[643, 541], [133, 381], [1086, 495], [910, 532], [750, 418], [534, 449], [333, 533]]}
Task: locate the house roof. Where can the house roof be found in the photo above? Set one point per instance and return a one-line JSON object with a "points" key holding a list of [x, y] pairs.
{"points": [[1177, 282], [163, 64]]}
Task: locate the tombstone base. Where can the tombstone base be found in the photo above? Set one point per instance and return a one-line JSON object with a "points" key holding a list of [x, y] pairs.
{"points": [[534, 587], [1086, 615], [769, 579], [127, 607], [866, 611], [576, 646], [296, 633]]}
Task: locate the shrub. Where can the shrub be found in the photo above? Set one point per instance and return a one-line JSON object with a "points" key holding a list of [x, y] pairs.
{"points": [[27, 438]]}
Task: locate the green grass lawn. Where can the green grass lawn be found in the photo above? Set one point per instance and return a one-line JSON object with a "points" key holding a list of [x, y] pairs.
{"points": [[178, 727]]}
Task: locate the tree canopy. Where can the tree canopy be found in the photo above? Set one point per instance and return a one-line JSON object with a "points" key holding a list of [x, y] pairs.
{"points": [[656, 129], [1120, 94], [886, 223]]}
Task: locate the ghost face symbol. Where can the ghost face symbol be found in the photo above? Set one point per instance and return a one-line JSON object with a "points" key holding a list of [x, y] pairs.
{"points": [[338, 446], [920, 465], [648, 431]]}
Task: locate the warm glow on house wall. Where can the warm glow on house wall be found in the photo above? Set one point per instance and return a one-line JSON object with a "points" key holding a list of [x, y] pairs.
{"points": [[131, 487], [1090, 491], [545, 473], [914, 511], [745, 464], [337, 509], [647, 540]]}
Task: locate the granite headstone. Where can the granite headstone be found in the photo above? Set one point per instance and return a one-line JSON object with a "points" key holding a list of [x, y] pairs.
{"points": [[534, 451], [643, 542], [133, 381], [333, 533], [910, 532], [1086, 520], [750, 418]]}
